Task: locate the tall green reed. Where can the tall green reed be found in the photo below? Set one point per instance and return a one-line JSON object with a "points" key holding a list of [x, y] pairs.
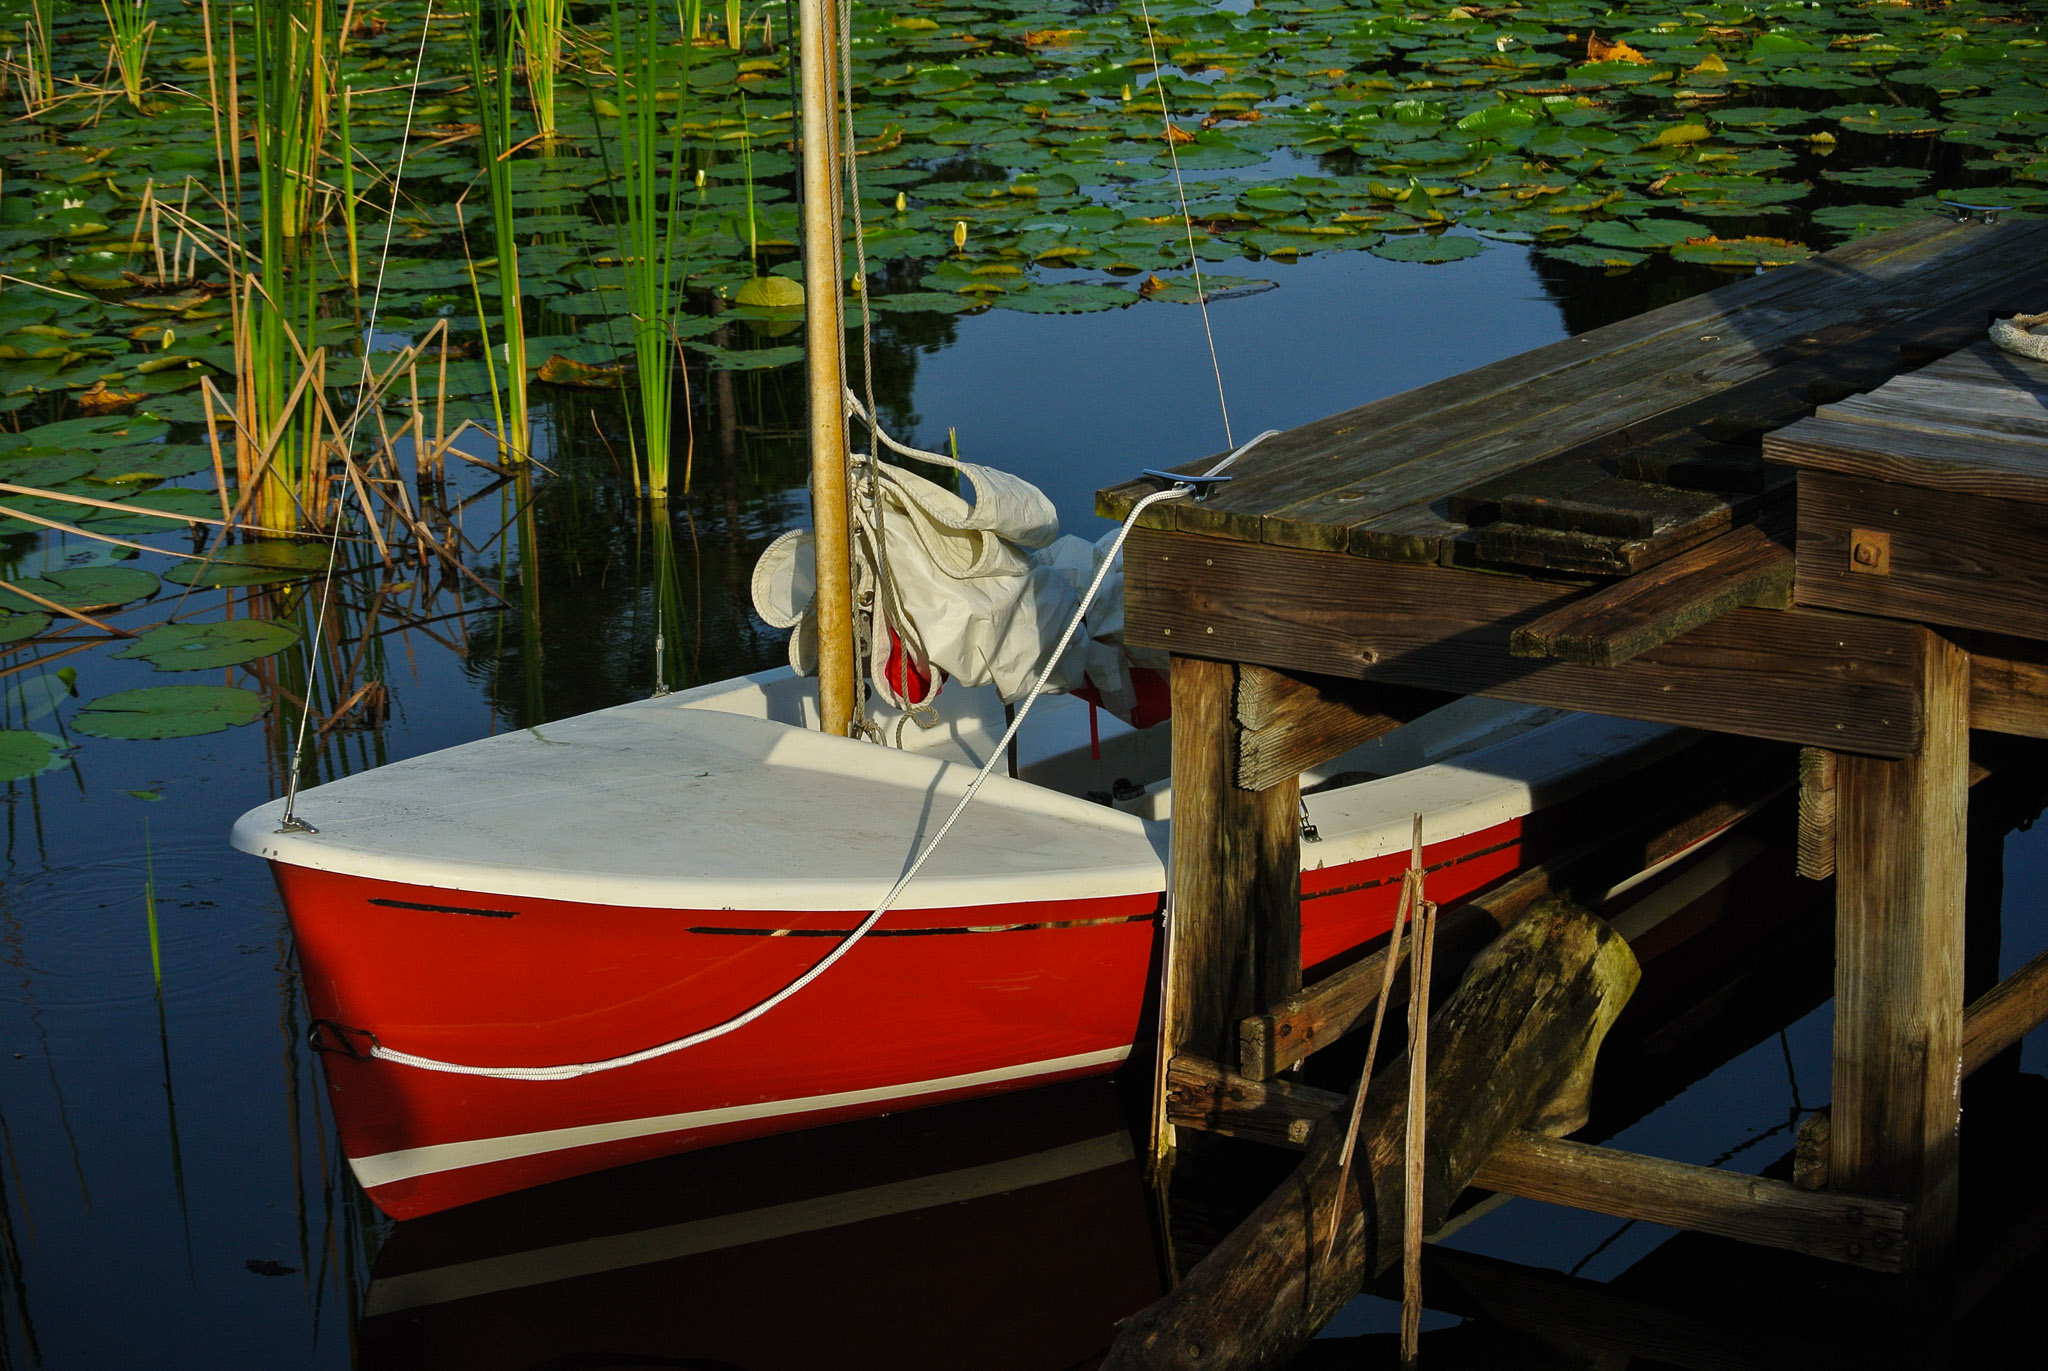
{"points": [[490, 67], [541, 25], [650, 188], [156, 949], [129, 33], [289, 112]]}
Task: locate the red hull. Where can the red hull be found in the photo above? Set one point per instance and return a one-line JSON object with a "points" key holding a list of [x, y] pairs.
{"points": [[936, 1004]]}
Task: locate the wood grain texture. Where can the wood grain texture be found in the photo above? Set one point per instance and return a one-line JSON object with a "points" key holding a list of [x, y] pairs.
{"points": [[1990, 465], [1708, 790], [1317, 1015], [1201, 1094], [1803, 676], [1965, 561], [2003, 1015], [1236, 942], [2009, 686], [1982, 362], [1288, 724], [1816, 813], [1750, 566], [1372, 479], [1859, 1230], [1900, 830], [1525, 1022]]}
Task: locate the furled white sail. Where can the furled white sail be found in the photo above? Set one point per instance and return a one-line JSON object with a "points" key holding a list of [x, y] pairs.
{"points": [[978, 587]]}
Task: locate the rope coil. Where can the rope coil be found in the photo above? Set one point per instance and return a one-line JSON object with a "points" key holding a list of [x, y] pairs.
{"points": [[2016, 335]]}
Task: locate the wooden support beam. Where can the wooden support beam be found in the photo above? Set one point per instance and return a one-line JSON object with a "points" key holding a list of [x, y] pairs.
{"points": [[1872, 1233], [1291, 723], [1750, 566], [1898, 550], [1816, 813], [1235, 940], [1714, 797], [1315, 1016], [2008, 687], [1513, 1045], [1843, 681], [1995, 1020], [1200, 1094], [2004, 1014], [1900, 831]]}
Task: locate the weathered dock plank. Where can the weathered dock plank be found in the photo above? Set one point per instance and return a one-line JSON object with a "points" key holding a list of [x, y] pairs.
{"points": [[1751, 566], [1961, 560], [1368, 479], [1804, 676]]}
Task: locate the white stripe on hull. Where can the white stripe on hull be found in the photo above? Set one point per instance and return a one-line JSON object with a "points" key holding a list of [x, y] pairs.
{"points": [[592, 1256], [387, 1167]]}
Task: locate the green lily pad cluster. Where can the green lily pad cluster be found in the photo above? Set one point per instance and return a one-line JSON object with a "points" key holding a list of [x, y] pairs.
{"points": [[1018, 155], [1038, 156]]}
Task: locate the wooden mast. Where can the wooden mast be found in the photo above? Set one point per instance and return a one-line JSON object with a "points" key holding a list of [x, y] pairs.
{"points": [[823, 346]]}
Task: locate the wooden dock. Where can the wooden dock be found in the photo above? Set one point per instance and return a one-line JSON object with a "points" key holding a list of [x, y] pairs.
{"points": [[1809, 507]]}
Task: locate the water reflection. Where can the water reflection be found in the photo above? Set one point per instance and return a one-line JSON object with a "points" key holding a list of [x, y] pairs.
{"points": [[1004, 1233]]}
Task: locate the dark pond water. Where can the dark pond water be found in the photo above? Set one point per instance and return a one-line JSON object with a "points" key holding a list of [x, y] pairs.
{"points": [[170, 1192]]}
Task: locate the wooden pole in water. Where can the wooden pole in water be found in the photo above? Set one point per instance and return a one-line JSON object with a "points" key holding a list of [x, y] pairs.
{"points": [[823, 348], [1513, 1048], [1899, 864]]}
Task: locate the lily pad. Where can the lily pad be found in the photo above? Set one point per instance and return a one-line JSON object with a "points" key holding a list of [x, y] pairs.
{"points": [[770, 292], [15, 625], [36, 697], [183, 501], [83, 588], [1065, 299], [1427, 247], [195, 647], [252, 564], [44, 471], [169, 711], [1742, 253], [25, 753]]}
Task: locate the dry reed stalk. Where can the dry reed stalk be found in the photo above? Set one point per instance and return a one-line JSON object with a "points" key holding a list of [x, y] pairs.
{"points": [[1412, 1155], [65, 497], [1411, 895], [65, 610], [207, 395]]}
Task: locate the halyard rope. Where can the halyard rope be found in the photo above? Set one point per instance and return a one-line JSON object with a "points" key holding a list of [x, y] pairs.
{"points": [[1180, 188], [998, 753], [290, 822]]}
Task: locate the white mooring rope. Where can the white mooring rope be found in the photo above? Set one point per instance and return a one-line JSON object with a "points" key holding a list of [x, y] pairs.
{"points": [[997, 754], [570, 1070]]}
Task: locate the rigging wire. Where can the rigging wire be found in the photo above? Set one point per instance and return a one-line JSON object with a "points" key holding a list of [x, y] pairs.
{"points": [[290, 822], [849, 187], [1187, 219], [996, 756]]}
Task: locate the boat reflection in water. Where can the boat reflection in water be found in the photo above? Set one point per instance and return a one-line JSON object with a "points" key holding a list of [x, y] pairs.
{"points": [[1003, 1233]]}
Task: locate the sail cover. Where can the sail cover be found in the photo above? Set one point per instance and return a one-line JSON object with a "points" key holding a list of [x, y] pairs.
{"points": [[974, 587]]}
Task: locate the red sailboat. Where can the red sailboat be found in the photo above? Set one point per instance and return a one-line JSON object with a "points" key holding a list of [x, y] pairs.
{"points": [[563, 896], [688, 920]]}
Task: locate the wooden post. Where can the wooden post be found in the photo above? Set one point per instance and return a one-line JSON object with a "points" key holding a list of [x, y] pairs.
{"points": [[1899, 961], [1236, 944], [1512, 1047]]}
